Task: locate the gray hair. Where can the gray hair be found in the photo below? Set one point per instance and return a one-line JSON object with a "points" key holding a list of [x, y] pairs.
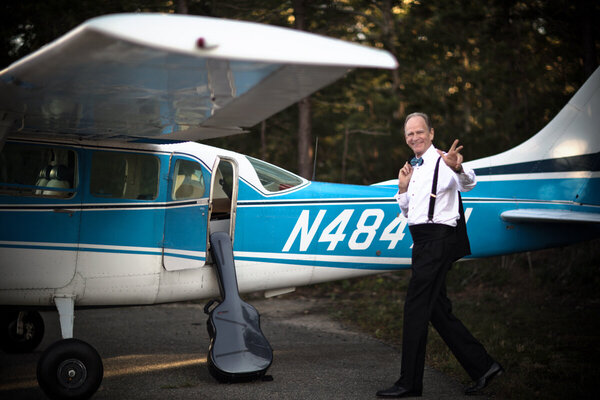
{"points": [[418, 114]]}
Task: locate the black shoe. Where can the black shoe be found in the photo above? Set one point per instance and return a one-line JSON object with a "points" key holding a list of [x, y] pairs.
{"points": [[495, 370], [396, 392]]}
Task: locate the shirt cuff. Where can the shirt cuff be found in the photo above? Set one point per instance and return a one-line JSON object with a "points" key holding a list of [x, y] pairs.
{"points": [[467, 178], [402, 199]]}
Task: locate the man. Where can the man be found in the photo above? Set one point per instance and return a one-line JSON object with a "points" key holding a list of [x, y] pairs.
{"points": [[436, 246]]}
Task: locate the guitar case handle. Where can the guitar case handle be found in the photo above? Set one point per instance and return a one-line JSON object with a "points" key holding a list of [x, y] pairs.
{"points": [[209, 304]]}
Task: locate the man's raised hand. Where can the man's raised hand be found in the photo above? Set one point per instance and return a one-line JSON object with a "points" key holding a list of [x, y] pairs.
{"points": [[453, 158], [404, 176]]}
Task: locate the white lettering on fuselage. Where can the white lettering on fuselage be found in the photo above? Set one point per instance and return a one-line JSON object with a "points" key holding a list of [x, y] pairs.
{"points": [[306, 234], [362, 236]]}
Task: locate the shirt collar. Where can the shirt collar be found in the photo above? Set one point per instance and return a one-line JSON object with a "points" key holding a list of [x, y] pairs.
{"points": [[430, 155]]}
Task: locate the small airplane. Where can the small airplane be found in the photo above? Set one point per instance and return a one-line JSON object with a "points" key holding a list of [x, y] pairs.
{"points": [[105, 201]]}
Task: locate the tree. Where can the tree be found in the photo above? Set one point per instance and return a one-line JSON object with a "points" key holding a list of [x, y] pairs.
{"points": [[304, 114]]}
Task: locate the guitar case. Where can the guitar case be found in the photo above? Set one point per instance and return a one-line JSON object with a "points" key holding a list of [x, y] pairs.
{"points": [[238, 350]]}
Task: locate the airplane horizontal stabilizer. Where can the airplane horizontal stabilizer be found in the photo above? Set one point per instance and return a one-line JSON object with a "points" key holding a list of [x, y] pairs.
{"points": [[556, 216]]}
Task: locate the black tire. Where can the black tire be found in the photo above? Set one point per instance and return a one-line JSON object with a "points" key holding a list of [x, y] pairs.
{"points": [[33, 332], [70, 369]]}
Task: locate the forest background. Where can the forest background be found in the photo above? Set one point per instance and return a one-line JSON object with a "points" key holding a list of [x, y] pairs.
{"points": [[491, 73]]}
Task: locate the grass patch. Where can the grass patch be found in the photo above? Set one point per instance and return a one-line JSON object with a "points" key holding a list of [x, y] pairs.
{"points": [[537, 313]]}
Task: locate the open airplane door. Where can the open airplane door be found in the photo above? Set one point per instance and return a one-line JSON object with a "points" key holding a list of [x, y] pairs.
{"points": [[192, 213], [223, 196], [186, 217]]}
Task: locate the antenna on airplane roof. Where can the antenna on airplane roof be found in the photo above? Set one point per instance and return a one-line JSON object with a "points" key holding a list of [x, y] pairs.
{"points": [[315, 160]]}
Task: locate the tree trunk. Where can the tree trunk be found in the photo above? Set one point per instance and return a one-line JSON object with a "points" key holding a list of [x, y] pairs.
{"points": [[304, 139], [344, 155], [263, 140], [304, 114], [388, 30], [181, 7], [587, 14]]}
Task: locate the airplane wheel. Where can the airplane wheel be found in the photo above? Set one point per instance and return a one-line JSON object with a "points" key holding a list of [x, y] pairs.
{"points": [[70, 369], [33, 331]]}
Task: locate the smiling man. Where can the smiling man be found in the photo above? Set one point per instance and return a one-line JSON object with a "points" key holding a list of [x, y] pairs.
{"points": [[418, 133], [428, 195]]}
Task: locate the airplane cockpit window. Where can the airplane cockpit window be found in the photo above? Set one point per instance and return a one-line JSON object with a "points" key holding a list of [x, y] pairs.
{"points": [[37, 170], [189, 181], [274, 179], [124, 175]]}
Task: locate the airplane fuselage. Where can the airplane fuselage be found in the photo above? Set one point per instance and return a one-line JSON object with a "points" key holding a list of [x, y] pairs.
{"points": [[116, 228], [119, 228]]}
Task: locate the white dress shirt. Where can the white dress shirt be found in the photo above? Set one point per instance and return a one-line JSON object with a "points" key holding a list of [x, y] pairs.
{"points": [[415, 202]]}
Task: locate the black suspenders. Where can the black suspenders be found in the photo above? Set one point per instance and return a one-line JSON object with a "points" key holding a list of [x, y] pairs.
{"points": [[463, 247], [433, 194]]}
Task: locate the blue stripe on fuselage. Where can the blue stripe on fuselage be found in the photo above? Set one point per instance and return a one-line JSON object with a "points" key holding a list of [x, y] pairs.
{"points": [[585, 162]]}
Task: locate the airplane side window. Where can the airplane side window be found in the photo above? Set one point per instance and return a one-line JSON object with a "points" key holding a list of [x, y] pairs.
{"points": [[188, 180], [274, 179], [124, 175], [36, 170]]}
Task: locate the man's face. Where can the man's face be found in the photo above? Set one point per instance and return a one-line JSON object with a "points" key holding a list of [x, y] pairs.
{"points": [[417, 136]]}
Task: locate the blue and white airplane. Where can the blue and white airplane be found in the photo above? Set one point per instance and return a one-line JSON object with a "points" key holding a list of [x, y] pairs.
{"points": [[104, 201]]}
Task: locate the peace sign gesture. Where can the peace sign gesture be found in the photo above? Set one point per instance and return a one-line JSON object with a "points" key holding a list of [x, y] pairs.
{"points": [[453, 158]]}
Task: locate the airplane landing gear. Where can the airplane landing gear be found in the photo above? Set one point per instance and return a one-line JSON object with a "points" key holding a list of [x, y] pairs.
{"points": [[70, 369], [21, 332]]}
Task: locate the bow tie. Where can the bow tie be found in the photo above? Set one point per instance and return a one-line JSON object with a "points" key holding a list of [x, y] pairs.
{"points": [[418, 161]]}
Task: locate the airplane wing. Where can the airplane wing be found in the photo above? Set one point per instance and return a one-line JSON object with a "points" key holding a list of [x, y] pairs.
{"points": [[170, 77], [556, 216]]}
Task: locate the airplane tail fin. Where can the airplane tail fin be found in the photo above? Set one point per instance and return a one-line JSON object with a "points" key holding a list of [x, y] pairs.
{"points": [[569, 147]]}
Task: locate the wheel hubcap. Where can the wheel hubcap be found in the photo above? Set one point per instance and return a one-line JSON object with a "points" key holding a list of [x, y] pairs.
{"points": [[71, 373]]}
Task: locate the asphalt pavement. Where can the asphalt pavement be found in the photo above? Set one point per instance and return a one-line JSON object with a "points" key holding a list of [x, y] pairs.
{"points": [[159, 352]]}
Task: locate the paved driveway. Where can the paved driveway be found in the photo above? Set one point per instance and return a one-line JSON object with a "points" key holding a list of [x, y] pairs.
{"points": [[159, 352]]}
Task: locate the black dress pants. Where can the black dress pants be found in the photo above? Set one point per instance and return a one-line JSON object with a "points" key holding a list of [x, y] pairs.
{"points": [[426, 300]]}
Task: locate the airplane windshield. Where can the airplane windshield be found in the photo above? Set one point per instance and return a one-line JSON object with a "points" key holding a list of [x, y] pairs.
{"points": [[274, 179]]}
